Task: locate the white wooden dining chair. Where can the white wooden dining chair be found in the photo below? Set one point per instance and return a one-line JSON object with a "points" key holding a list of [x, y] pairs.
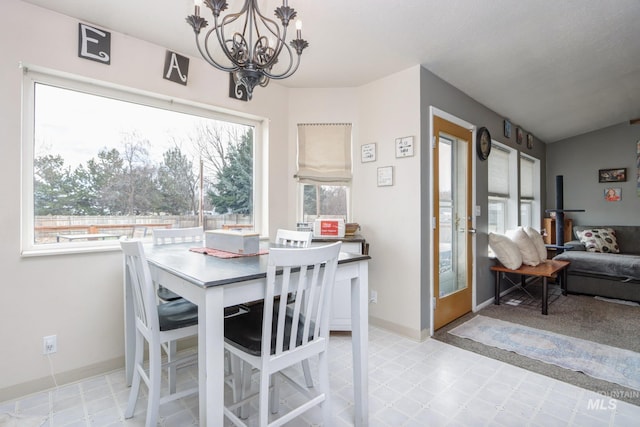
{"points": [[294, 239], [283, 334], [163, 236], [166, 236], [158, 325]]}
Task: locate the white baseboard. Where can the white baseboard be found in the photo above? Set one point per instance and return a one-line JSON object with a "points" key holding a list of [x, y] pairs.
{"points": [[62, 378]]}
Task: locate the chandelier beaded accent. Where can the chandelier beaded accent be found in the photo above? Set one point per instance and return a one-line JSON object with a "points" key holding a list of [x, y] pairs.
{"points": [[251, 43]]}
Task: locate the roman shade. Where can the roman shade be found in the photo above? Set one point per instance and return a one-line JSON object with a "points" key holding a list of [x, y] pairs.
{"points": [[499, 173], [526, 178], [324, 153]]}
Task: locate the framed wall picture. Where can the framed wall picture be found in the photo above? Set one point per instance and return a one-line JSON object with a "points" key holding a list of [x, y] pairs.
{"points": [[404, 146], [613, 194], [368, 152], [507, 128], [529, 141], [519, 135], [385, 176], [612, 175]]}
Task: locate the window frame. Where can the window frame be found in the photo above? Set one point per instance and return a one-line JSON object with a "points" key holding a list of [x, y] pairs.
{"points": [[34, 75]]}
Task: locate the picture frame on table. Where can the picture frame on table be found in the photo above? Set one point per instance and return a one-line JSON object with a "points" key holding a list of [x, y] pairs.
{"points": [[612, 175]]}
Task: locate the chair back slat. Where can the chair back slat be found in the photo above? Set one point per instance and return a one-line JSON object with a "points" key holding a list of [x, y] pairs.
{"points": [[144, 301], [294, 239], [166, 236], [308, 275]]}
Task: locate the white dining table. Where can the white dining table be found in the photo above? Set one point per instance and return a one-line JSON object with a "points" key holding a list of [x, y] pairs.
{"points": [[215, 283]]}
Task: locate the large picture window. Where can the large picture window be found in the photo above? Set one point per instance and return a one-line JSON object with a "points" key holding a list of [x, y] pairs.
{"points": [[101, 163]]}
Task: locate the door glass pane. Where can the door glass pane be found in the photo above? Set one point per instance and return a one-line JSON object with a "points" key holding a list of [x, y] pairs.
{"points": [[453, 221]]}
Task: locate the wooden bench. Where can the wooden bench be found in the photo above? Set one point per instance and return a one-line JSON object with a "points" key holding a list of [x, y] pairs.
{"points": [[549, 269]]}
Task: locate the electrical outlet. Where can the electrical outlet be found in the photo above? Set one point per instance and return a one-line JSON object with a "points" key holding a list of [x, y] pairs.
{"points": [[49, 344], [373, 297]]}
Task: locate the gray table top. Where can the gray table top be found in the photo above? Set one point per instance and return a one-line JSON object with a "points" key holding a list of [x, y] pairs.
{"points": [[206, 270]]}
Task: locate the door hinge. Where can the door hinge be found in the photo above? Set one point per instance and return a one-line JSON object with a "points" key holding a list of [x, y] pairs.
{"points": [[433, 142], [434, 303], [433, 223]]}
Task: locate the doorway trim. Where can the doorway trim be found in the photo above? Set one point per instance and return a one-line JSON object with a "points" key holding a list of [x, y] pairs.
{"points": [[436, 112]]}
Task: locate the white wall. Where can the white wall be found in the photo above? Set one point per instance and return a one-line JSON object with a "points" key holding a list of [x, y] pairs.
{"points": [[389, 108], [79, 297], [389, 216]]}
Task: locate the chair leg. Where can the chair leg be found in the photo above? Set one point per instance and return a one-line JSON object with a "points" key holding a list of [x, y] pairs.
{"points": [[263, 414], [323, 372], [274, 398], [245, 389], [307, 373], [155, 378], [135, 383], [171, 355]]}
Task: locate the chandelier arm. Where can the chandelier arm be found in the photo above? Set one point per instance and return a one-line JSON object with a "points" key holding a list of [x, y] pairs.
{"points": [[270, 24], [223, 42], [289, 71], [208, 58]]}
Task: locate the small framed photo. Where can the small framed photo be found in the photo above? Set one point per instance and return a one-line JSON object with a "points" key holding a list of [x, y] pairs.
{"points": [[368, 152], [613, 194], [519, 135], [529, 141], [507, 128], [612, 175], [404, 146], [385, 176]]}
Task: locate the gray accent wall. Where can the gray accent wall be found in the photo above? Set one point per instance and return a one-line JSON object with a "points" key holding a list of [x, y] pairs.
{"points": [[578, 160], [440, 94]]}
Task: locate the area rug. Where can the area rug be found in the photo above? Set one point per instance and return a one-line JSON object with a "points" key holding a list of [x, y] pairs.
{"points": [[600, 361]]}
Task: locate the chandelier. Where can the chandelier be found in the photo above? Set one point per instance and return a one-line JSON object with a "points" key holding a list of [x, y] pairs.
{"points": [[251, 43]]}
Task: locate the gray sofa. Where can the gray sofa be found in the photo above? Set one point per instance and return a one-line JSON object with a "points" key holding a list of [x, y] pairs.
{"points": [[605, 274]]}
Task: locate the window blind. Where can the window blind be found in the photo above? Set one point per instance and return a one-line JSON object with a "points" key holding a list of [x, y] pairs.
{"points": [[526, 178], [499, 173], [324, 153]]}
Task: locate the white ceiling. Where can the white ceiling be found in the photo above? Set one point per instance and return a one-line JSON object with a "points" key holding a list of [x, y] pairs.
{"points": [[557, 68]]}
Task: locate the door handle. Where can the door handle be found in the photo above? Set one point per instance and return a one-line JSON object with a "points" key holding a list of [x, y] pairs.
{"points": [[472, 230]]}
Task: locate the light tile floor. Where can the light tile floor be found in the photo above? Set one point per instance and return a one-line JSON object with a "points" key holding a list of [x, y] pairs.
{"points": [[411, 384]]}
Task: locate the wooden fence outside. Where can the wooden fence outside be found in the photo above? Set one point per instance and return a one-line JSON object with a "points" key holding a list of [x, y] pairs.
{"points": [[47, 228]]}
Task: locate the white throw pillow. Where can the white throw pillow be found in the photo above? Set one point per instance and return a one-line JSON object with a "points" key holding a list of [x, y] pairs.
{"points": [[506, 251], [525, 244], [538, 242]]}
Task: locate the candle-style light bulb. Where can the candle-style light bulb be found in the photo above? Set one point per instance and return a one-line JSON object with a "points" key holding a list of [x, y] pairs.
{"points": [[196, 7], [299, 29]]}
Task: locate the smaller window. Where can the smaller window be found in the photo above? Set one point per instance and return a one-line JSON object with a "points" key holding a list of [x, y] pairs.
{"points": [[324, 200], [324, 170]]}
